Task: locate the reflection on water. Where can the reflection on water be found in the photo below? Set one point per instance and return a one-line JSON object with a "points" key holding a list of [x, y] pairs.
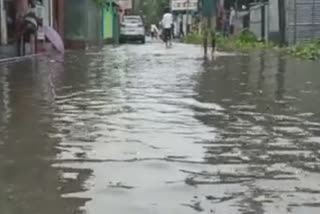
{"points": [[271, 125], [28, 183], [143, 129]]}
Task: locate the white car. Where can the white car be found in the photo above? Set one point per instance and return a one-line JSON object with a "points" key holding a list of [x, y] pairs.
{"points": [[132, 29]]}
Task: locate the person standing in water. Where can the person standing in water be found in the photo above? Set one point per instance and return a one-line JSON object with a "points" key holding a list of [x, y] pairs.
{"points": [[167, 23], [27, 28], [232, 19], [208, 9]]}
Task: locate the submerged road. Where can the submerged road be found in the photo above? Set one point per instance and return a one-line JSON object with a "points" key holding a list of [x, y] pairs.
{"points": [[140, 129]]}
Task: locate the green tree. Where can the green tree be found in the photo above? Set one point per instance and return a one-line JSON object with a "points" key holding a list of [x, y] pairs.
{"points": [[151, 10], [103, 2]]}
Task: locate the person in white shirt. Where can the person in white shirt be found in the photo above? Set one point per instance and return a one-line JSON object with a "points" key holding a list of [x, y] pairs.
{"points": [[154, 31], [167, 23], [232, 20]]}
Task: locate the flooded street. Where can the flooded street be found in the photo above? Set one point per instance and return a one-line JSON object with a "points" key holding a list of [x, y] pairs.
{"points": [[140, 129]]}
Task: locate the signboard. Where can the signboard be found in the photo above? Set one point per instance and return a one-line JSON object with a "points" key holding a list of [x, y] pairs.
{"points": [[177, 5], [125, 4]]}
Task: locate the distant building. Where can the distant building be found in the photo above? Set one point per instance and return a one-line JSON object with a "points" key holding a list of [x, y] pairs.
{"points": [[125, 4], [184, 15], [88, 23]]}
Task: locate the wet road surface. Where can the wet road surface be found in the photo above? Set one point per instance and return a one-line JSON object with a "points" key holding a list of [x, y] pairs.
{"points": [[143, 129]]}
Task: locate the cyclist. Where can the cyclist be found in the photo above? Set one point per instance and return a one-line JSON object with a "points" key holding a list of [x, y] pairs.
{"points": [[167, 23]]}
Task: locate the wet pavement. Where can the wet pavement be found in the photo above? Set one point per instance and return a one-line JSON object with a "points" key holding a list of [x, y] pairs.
{"points": [[141, 129]]}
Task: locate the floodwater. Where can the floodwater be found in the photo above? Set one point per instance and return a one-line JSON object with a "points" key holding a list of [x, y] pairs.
{"points": [[141, 129]]}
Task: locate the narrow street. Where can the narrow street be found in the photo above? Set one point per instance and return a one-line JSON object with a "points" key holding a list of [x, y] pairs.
{"points": [[141, 129]]}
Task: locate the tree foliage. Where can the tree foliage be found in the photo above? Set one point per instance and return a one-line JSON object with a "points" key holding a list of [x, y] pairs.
{"points": [[151, 10], [102, 2]]}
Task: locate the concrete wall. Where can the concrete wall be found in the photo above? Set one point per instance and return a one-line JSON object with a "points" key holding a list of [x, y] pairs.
{"points": [[270, 21], [47, 12], [58, 16], [75, 20], [83, 23], [260, 21], [256, 20], [273, 16], [94, 17]]}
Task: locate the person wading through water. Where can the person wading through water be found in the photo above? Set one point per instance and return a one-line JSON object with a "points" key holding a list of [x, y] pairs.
{"points": [[167, 23], [207, 9], [27, 30]]}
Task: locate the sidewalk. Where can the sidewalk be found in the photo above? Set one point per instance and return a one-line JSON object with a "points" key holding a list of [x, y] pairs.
{"points": [[8, 51]]}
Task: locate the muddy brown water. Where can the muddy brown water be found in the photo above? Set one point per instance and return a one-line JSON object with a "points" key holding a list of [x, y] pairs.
{"points": [[143, 129]]}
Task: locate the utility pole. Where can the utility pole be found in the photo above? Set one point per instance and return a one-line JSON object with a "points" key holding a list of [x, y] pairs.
{"points": [[3, 23], [282, 22], [188, 16]]}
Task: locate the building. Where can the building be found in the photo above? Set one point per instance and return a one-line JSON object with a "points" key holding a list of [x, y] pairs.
{"points": [[184, 12], [125, 5], [82, 23], [51, 12], [88, 23], [58, 16]]}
